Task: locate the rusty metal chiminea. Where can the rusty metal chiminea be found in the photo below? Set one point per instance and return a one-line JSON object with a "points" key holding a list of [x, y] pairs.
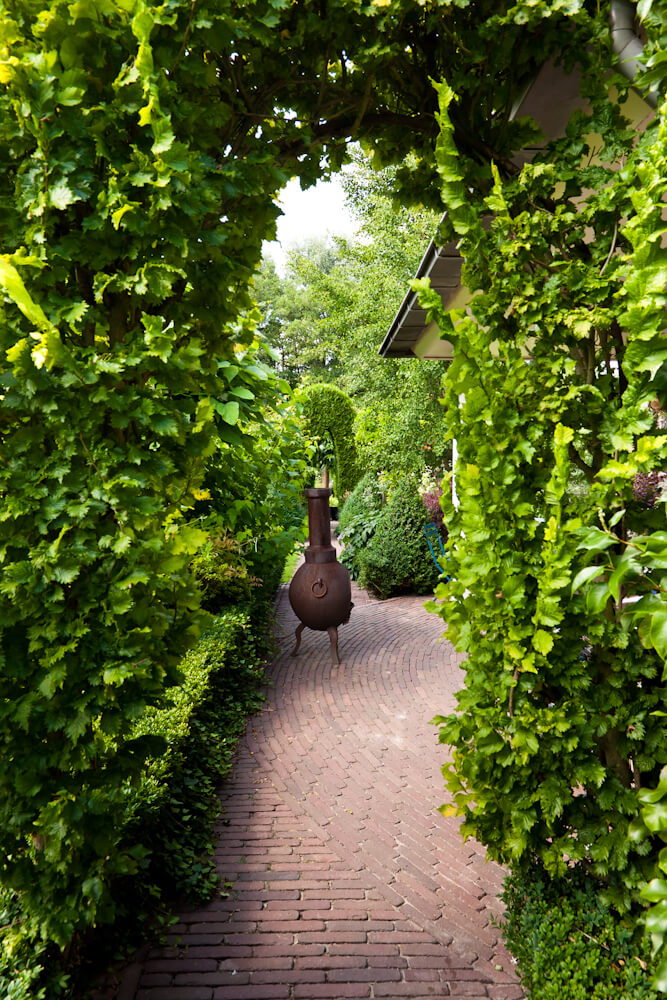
{"points": [[320, 592]]}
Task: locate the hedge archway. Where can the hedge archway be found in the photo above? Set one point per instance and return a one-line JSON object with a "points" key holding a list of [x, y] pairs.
{"points": [[328, 410]]}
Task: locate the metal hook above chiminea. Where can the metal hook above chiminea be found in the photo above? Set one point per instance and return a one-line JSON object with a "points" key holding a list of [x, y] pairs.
{"points": [[320, 592]]}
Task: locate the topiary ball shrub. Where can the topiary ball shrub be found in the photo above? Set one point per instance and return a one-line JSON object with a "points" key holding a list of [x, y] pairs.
{"points": [[397, 559], [569, 944], [329, 417]]}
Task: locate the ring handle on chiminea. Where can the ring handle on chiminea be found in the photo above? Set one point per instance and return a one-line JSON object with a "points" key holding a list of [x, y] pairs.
{"points": [[319, 583]]}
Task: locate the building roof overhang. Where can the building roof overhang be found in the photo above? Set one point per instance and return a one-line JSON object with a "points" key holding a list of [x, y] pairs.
{"points": [[550, 101]]}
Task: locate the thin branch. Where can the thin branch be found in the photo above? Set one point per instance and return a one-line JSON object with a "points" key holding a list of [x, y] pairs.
{"points": [[185, 38], [324, 81], [92, 460], [319, 135], [363, 107], [611, 248]]}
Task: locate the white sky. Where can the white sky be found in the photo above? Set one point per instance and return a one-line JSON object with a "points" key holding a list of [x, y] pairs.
{"points": [[315, 212]]}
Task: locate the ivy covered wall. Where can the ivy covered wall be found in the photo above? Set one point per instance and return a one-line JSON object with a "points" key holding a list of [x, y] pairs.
{"points": [[557, 593]]}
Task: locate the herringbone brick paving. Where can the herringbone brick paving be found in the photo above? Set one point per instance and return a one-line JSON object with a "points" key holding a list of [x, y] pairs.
{"points": [[347, 881]]}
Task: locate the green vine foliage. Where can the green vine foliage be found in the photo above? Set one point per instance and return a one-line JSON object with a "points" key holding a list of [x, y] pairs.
{"points": [[329, 415], [560, 723], [142, 145], [622, 569], [122, 380]]}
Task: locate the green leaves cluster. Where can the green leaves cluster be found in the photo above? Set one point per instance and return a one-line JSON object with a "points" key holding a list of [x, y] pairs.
{"points": [[569, 942], [395, 559], [558, 360], [358, 520], [141, 148]]}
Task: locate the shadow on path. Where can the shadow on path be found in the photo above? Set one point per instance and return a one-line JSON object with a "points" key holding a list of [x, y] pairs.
{"points": [[347, 881]]}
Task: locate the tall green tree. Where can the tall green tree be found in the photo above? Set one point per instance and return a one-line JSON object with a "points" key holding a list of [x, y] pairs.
{"points": [[293, 318], [354, 294]]}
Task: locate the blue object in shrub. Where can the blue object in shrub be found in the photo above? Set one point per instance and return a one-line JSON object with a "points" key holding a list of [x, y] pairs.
{"points": [[431, 532]]}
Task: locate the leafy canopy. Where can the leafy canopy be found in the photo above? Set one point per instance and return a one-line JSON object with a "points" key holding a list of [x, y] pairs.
{"points": [[142, 145]]}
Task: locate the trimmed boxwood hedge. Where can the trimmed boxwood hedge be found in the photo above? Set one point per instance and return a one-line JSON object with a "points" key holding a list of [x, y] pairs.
{"points": [[170, 811], [571, 945]]}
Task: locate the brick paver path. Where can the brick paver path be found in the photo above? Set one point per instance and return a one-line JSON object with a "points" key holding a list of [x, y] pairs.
{"points": [[347, 881]]}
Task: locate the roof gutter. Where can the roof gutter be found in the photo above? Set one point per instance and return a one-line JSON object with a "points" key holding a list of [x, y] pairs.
{"points": [[626, 44], [410, 297]]}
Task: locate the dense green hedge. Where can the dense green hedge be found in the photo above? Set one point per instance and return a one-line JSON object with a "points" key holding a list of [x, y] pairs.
{"points": [[167, 817], [569, 944], [397, 558]]}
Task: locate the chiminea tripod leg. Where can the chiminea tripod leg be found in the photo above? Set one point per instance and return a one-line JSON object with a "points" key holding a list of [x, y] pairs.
{"points": [[297, 636], [333, 639]]}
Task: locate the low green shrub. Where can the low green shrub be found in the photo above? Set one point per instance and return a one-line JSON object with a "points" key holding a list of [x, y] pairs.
{"points": [[355, 538], [397, 558], [167, 821], [358, 519], [22, 967], [267, 563], [201, 725], [570, 945], [365, 498], [222, 573]]}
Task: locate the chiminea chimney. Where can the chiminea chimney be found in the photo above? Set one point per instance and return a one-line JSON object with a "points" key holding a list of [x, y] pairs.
{"points": [[320, 591]]}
